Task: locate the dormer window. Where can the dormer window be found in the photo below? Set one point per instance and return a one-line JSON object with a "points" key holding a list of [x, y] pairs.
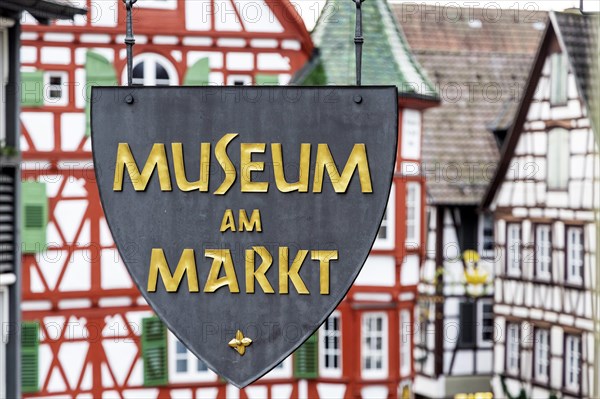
{"points": [[558, 79]]}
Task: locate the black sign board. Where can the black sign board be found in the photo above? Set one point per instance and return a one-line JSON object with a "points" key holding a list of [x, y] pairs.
{"points": [[244, 214]]}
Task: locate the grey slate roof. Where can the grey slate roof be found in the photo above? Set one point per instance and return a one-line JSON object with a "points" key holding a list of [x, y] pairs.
{"points": [[386, 57], [480, 67]]}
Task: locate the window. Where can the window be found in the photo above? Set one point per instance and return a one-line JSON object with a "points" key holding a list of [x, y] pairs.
{"points": [[466, 321], [239, 80], [557, 176], [3, 337], [572, 362], [558, 79], [330, 350], [574, 250], [411, 134], [282, 370], [55, 88], [541, 355], [152, 70], [161, 4], [413, 209], [374, 351], [485, 322], [386, 234], [513, 250], [486, 235], [512, 348], [405, 343], [184, 366], [543, 252]]}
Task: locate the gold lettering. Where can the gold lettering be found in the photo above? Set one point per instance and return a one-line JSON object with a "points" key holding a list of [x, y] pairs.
{"points": [[258, 274], [157, 159], [246, 151], [324, 257], [357, 159], [225, 162], [182, 182], [221, 257], [291, 273], [159, 265], [250, 225], [228, 222], [303, 174]]}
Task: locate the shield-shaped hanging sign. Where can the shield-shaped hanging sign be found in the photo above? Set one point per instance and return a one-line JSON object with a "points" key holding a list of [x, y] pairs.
{"points": [[244, 214]]}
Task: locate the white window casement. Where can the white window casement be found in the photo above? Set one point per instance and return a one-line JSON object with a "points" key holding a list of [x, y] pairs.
{"points": [[413, 214], [572, 363], [557, 177], [151, 69], [486, 235], [159, 4], [3, 338], [330, 346], [56, 89], [513, 249], [411, 134], [575, 255], [558, 79], [405, 343], [282, 370], [541, 355], [513, 347], [387, 229], [184, 366], [374, 345], [543, 252], [485, 323]]}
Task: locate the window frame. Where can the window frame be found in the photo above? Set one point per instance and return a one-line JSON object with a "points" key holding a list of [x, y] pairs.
{"points": [[150, 58], [543, 379], [539, 273], [283, 370], [563, 75], [481, 342], [571, 387], [158, 4], [509, 346], [413, 242], [4, 320], [486, 253], [4, 70], [192, 374], [510, 270], [572, 280], [389, 218], [324, 352], [562, 166], [64, 88], [374, 373]]}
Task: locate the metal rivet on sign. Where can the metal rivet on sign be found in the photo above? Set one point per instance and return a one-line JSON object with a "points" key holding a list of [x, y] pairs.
{"points": [[129, 99], [358, 99]]}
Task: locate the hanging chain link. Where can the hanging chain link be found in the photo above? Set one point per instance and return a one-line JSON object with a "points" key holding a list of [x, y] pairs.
{"points": [[358, 40], [129, 40]]}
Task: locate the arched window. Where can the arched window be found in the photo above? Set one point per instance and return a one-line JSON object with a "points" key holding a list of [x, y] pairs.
{"points": [[558, 159], [152, 70]]}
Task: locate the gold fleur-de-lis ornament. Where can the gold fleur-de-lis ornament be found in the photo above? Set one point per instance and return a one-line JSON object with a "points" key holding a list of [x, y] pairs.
{"points": [[239, 343]]}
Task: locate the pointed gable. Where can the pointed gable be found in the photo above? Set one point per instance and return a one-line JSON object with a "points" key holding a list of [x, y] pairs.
{"points": [[387, 59]]}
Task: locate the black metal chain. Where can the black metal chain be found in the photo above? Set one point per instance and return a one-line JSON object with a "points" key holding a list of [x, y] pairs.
{"points": [[358, 40], [129, 40]]}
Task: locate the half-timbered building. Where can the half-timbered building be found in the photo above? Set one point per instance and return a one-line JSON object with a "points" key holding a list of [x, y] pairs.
{"points": [[479, 69], [89, 332], [10, 270], [545, 199], [374, 337]]}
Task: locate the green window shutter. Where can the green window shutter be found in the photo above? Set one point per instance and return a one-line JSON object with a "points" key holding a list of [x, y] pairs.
{"points": [[29, 356], [154, 352], [197, 74], [306, 361], [34, 216], [32, 89], [99, 72], [265, 79]]}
